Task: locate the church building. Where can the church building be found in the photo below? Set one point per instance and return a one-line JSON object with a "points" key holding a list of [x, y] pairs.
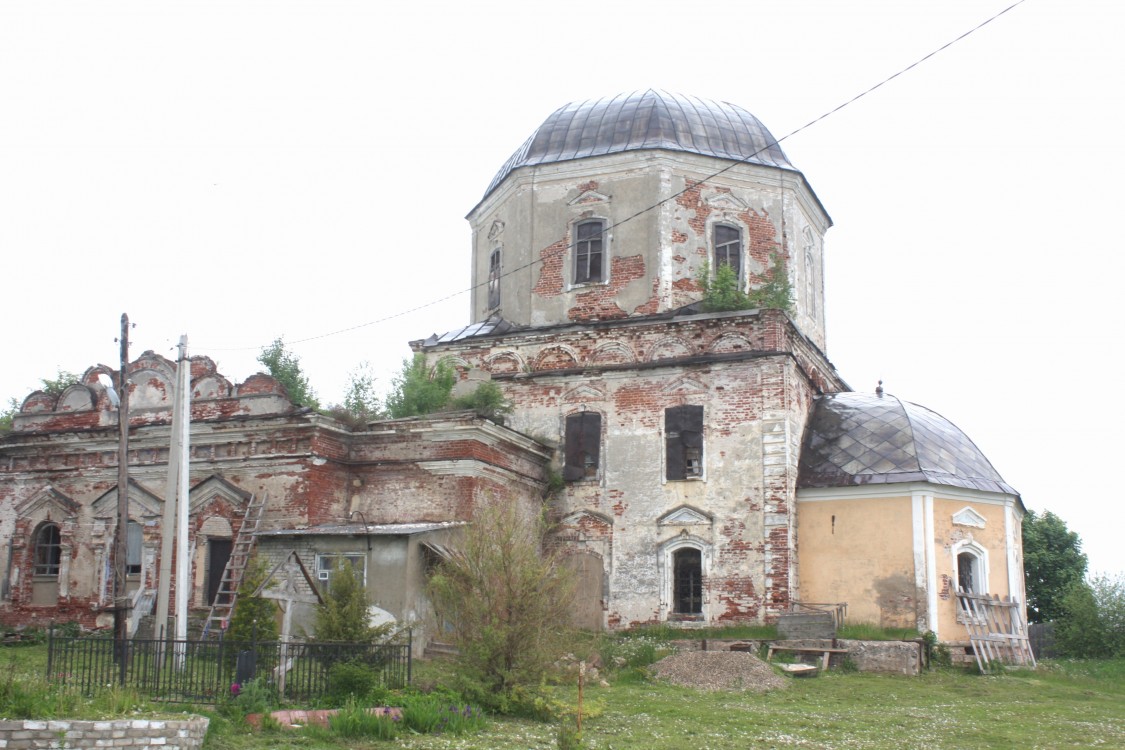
{"points": [[717, 468], [706, 466]]}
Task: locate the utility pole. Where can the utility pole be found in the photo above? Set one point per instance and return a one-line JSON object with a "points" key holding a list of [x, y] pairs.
{"points": [[176, 466], [120, 546], [182, 425]]}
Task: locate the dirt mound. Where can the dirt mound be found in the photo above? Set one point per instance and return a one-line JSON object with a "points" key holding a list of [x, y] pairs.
{"points": [[719, 670]]}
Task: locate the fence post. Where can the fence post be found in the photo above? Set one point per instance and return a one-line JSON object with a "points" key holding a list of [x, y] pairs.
{"points": [[50, 650]]}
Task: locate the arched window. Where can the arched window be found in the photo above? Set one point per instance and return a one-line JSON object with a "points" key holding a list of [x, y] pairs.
{"points": [[968, 573], [494, 280], [727, 241], [970, 567], [687, 581], [48, 550], [589, 251]]}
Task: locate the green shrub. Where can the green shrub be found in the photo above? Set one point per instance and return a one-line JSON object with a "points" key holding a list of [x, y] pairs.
{"points": [[355, 721], [430, 714], [937, 653], [1092, 625], [356, 681], [568, 736], [508, 600], [251, 697]]}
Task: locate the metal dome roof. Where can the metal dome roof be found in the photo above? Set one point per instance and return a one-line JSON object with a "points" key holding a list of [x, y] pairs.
{"points": [[865, 438], [649, 119]]}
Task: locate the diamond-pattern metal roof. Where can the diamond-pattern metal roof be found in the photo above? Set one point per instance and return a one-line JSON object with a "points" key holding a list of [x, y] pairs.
{"points": [[649, 119], [865, 438]]}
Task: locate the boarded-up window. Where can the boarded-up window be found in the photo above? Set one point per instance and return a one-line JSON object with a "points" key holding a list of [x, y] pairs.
{"points": [[683, 437], [134, 542], [583, 445], [728, 247], [589, 243]]}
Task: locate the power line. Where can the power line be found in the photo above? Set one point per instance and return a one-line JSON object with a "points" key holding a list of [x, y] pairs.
{"points": [[689, 187]]}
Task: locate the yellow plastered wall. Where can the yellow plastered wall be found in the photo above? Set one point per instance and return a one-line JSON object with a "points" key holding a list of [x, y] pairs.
{"points": [[860, 552], [946, 536]]}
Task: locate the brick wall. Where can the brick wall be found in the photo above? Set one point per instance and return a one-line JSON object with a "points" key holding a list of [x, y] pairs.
{"points": [[136, 734]]}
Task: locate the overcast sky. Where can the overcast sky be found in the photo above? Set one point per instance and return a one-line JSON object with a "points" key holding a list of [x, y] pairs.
{"points": [[239, 171]]}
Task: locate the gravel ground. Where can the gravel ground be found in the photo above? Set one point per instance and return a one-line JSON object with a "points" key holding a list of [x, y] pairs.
{"points": [[719, 670]]}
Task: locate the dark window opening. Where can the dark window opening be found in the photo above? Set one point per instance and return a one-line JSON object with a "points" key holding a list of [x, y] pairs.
{"points": [[134, 540], [589, 243], [687, 582], [494, 280], [48, 550], [683, 436], [728, 247], [583, 445], [967, 577]]}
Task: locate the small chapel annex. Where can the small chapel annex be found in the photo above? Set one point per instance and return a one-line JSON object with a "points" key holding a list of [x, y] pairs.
{"points": [[715, 466]]}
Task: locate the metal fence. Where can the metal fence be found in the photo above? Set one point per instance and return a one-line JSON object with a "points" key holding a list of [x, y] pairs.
{"points": [[205, 671], [1042, 637]]}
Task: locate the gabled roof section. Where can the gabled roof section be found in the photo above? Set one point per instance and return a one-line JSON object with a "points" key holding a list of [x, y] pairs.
{"points": [[865, 438], [142, 502], [214, 485], [50, 497]]}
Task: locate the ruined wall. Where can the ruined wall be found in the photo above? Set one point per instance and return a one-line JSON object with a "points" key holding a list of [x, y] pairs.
{"points": [[754, 376], [653, 257], [60, 467]]}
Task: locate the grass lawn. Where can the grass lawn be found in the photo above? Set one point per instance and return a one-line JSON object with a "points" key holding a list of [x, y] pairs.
{"points": [[1060, 705]]}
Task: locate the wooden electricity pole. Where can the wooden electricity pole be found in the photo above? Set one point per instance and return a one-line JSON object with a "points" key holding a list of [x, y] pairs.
{"points": [[120, 542]]}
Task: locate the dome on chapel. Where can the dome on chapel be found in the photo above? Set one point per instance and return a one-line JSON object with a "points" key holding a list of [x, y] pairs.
{"points": [[867, 438], [647, 120]]}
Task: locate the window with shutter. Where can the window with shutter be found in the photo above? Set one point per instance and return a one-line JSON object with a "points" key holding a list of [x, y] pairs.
{"points": [[683, 437], [583, 445]]}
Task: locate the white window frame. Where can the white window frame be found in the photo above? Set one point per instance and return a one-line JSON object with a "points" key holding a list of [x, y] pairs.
{"points": [[668, 575], [980, 564], [605, 242], [326, 563]]}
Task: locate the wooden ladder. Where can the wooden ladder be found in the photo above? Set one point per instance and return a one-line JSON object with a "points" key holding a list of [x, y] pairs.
{"points": [[227, 594]]}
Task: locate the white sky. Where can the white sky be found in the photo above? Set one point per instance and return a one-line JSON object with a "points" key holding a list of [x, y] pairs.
{"points": [[239, 171]]}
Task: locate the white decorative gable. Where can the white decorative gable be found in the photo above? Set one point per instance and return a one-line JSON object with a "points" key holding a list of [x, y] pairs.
{"points": [[590, 196], [215, 486], [726, 200], [583, 393], [685, 515], [53, 500], [685, 385], [968, 517], [143, 503]]}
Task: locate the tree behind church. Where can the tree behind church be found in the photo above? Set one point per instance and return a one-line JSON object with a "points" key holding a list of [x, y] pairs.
{"points": [[1053, 564]]}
